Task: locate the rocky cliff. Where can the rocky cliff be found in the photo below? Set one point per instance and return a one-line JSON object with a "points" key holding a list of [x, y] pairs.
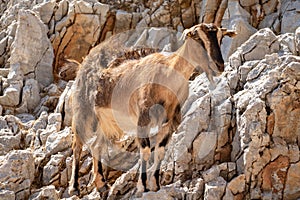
{"points": [[239, 140]]}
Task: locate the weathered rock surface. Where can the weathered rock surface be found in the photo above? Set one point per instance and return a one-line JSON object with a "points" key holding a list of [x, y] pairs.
{"points": [[239, 140], [17, 172]]}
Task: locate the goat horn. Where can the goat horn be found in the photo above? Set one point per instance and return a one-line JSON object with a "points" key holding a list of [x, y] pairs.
{"points": [[220, 12], [186, 32]]}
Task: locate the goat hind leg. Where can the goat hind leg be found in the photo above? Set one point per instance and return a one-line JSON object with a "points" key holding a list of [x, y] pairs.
{"points": [[98, 177], [77, 148]]}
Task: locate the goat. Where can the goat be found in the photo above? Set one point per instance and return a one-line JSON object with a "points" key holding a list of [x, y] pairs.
{"points": [[137, 96]]}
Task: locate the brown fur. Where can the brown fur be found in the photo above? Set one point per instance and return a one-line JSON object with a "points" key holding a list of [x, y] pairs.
{"points": [[136, 96]]}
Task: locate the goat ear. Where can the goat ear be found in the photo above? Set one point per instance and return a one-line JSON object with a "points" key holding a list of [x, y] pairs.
{"points": [[229, 33]]}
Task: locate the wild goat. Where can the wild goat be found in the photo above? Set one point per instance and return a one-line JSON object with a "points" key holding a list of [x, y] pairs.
{"points": [[138, 96]]}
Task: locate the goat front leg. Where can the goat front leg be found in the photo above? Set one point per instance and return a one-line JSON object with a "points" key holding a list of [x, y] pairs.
{"points": [[162, 139], [77, 148], [143, 131], [145, 153]]}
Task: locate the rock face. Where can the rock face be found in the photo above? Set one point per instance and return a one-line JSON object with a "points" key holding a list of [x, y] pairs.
{"points": [[237, 140], [17, 172]]}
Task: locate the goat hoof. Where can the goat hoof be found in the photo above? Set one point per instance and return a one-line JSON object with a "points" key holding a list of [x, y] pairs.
{"points": [[73, 191], [103, 188]]}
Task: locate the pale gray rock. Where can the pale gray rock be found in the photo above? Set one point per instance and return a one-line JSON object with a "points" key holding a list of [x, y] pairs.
{"points": [[290, 16], [12, 87], [30, 96], [27, 119], [58, 142], [62, 10], [10, 134], [257, 121], [102, 10], [54, 120], [17, 172], [211, 174], [236, 18], [287, 44], [270, 21], [156, 195], [126, 181], [161, 38], [83, 7], [204, 147], [8, 141], [45, 10], [228, 194], [51, 171], [41, 122], [215, 189], [7, 195], [94, 195], [245, 69], [196, 188], [32, 49], [47, 192], [258, 45], [86, 165]]}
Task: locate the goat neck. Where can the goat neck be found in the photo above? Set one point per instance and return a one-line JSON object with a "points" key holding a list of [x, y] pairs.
{"points": [[192, 56]]}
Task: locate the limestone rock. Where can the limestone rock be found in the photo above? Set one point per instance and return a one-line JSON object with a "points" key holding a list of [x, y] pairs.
{"points": [[7, 195], [30, 96], [32, 49], [51, 170], [48, 192], [11, 93], [265, 43], [204, 147], [215, 189], [59, 141], [17, 172], [10, 135], [236, 18], [45, 10], [287, 43], [290, 18], [8, 141]]}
